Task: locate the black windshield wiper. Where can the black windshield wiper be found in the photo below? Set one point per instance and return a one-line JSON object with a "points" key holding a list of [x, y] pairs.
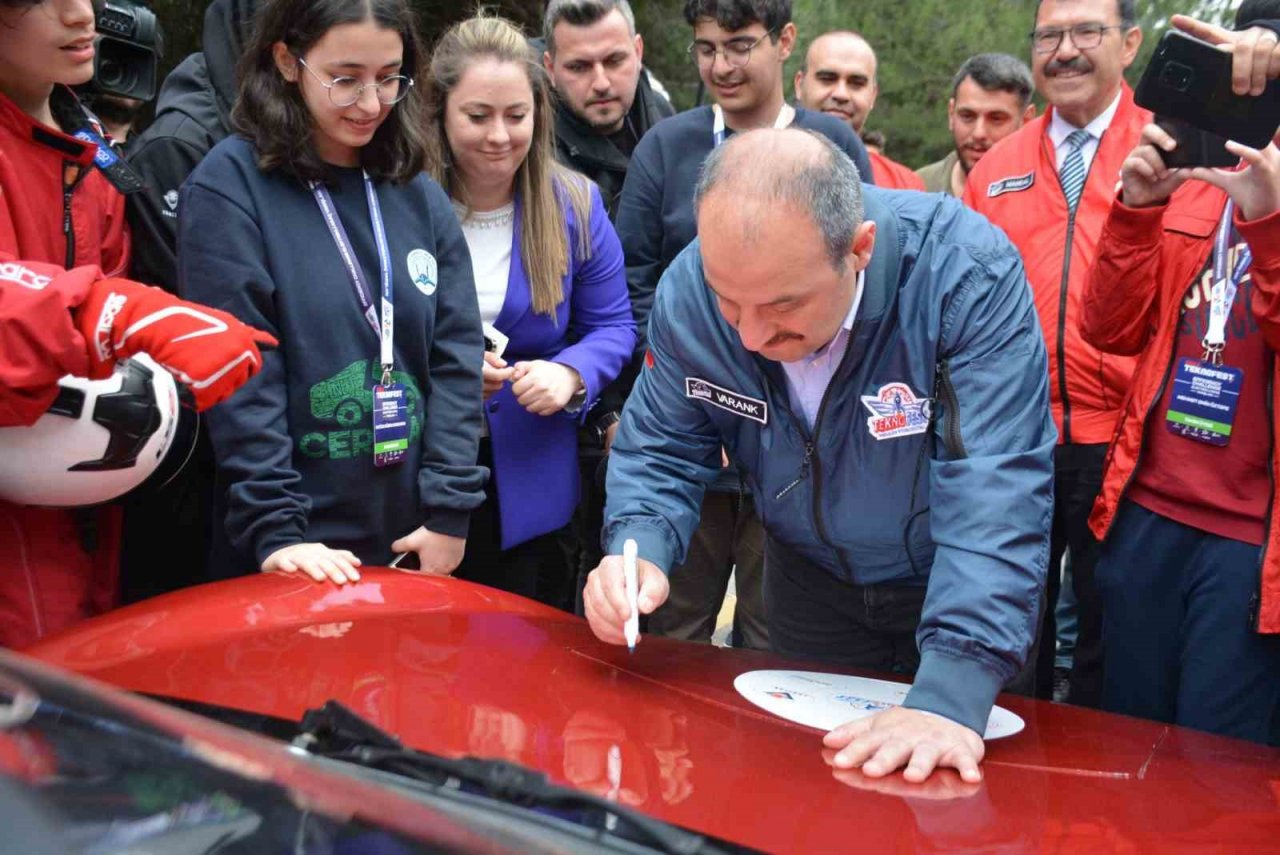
{"points": [[339, 733]]}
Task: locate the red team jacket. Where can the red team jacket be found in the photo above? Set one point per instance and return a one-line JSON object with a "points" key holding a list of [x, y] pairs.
{"points": [[1016, 187], [891, 174], [55, 209], [1132, 305]]}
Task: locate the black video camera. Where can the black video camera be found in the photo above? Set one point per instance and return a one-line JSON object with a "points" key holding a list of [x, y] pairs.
{"points": [[130, 43]]}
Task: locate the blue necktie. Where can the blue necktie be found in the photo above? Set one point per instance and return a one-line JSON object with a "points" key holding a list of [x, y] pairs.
{"points": [[1072, 173]]}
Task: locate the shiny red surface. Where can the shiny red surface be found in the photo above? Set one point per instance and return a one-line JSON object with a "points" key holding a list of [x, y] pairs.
{"points": [[460, 669]]}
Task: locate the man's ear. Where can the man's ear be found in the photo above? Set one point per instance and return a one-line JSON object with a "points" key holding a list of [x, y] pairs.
{"points": [[639, 48], [1029, 113], [786, 40], [548, 62], [286, 62], [864, 241]]}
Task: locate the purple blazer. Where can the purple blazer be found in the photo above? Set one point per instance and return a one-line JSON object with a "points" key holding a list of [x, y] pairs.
{"points": [[535, 458]]}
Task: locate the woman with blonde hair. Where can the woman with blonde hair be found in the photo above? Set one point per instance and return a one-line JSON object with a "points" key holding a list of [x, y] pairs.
{"points": [[551, 285]]}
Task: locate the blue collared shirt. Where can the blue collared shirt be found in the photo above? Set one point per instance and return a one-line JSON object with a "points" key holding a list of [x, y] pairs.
{"points": [[808, 378]]}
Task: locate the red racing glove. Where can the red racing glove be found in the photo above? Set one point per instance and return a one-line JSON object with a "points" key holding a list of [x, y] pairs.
{"points": [[205, 349]]}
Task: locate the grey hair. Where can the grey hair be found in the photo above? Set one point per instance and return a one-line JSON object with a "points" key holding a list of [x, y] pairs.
{"points": [[997, 72], [582, 13], [827, 186]]}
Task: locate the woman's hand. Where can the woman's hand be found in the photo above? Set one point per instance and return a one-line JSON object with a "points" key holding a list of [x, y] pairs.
{"points": [[1255, 188], [317, 561], [544, 388], [438, 554], [495, 372]]}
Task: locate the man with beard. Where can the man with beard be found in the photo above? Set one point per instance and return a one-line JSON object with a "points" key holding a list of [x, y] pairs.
{"points": [[839, 78], [739, 47], [605, 103], [990, 99], [1050, 186]]}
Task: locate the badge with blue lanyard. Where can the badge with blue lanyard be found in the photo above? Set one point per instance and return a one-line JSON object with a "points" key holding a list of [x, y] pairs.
{"points": [[1205, 391], [390, 403]]}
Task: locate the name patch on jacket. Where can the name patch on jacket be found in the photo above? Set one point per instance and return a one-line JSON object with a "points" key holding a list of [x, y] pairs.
{"points": [[1012, 184], [717, 396], [896, 411]]}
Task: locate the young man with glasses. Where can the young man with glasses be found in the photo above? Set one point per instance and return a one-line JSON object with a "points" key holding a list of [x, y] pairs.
{"points": [[739, 47], [1050, 187]]}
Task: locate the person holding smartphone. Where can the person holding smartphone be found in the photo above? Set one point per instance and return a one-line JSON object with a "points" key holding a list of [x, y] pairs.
{"points": [[317, 222], [1187, 279]]}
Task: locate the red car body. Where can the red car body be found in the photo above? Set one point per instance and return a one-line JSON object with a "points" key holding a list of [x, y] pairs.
{"points": [[459, 669]]}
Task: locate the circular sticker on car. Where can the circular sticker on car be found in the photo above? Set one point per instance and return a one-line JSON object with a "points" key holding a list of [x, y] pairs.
{"points": [[826, 701]]}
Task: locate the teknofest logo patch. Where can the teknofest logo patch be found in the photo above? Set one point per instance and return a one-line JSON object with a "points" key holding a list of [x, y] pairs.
{"points": [[896, 411], [345, 403]]}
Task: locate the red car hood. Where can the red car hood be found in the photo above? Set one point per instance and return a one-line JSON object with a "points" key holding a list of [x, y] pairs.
{"points": [[459, 669]]}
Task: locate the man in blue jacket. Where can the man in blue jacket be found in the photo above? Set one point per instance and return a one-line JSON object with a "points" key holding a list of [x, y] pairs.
{"points": [[872, 362]]}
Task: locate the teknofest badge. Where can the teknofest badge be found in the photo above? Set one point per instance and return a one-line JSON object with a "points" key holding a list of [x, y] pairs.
{"points": [[390, 425]]}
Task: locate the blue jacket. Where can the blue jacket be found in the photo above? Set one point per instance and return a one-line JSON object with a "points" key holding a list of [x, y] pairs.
{"points": [[535, 458], [931, 458]]}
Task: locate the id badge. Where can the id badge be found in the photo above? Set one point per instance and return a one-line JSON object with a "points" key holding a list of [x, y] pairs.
{"points": [[390, 425], [1204, 401]]}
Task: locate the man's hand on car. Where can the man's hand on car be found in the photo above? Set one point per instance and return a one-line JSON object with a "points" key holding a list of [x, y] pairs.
{"points": [[605, 597], [898, 737]]}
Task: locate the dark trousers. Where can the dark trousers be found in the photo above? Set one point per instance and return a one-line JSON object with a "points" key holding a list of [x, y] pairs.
{"points": [[813, 615], [729, 540], [517, 569], [1180, 642], [1077, 478]]}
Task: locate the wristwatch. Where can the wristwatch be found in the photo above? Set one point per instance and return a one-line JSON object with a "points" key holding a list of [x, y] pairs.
{"points": [[602, 425]]}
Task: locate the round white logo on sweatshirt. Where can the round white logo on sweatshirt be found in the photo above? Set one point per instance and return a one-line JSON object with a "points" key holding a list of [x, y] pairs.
{"points": [[422, 270]]}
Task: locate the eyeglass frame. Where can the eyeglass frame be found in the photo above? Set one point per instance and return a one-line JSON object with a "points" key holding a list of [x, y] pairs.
{"points": [[1062, 32], [722, 51], [360, 87]]}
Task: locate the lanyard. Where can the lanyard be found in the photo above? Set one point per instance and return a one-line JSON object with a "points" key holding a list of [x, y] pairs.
{"points": [[386, 331], [785, 117], [1223, 293]]}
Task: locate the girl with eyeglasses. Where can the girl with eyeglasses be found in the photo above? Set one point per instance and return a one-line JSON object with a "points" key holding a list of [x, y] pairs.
{"points": [[550, 278], [358, 441]]}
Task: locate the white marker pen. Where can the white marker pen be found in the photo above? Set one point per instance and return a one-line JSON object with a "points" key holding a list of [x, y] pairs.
{"points": [[631, 629]]}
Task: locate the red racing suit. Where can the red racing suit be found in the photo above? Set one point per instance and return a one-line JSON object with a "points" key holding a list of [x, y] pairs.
{"points": [[889, 173], [1146, 260], [1016, 187], [57, 566]]}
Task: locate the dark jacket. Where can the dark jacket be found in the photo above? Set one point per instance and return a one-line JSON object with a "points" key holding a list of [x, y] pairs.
{"points": [[193, 114], [590, 152], [294, 446], [932, 458]]}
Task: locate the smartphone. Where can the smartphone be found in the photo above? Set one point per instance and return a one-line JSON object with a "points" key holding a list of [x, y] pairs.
{"points": [[1195, 147], [1189, 80]]}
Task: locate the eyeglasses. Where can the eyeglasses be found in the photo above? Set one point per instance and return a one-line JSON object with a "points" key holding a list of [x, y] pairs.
{"points": [[345, 91], [1083, 36], [736, 53]]}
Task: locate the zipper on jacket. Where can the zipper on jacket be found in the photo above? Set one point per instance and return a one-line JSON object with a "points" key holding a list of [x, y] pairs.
{"points": [[947, 397], [804, 472], [68, 225]]}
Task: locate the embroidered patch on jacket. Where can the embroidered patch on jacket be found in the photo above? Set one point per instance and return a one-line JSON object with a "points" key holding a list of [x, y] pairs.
{"points": [[896, 411], [422, 270], [1012, 184], [717, 396]]}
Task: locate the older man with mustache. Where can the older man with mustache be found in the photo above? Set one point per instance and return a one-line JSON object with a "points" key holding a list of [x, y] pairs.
{"points": [[1050, 187]]}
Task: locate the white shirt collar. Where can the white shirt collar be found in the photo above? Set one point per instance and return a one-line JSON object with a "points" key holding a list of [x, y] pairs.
{"points": [[1060, 128]]}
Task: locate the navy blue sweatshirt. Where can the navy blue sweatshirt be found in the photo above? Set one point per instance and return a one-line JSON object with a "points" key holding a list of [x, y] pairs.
{"points": [[294, 445], [656, 217]]}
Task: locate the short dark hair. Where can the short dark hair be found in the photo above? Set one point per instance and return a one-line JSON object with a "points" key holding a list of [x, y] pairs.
{"points": [[582, 13], [1253, 11], [1127, 10], [736, 14], [270, 110], [997, 72]]}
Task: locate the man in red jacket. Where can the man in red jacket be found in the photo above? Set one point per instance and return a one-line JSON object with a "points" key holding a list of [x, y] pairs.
{"points": [[1050, 186], [1188, 280], [839, 78]]}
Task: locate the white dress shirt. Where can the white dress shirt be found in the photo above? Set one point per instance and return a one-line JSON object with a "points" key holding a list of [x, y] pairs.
{"points": [[1060, 129], [808, 378]]}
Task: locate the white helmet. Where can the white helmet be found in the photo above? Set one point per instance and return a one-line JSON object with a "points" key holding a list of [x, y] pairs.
{"points": [[99, 440]]}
